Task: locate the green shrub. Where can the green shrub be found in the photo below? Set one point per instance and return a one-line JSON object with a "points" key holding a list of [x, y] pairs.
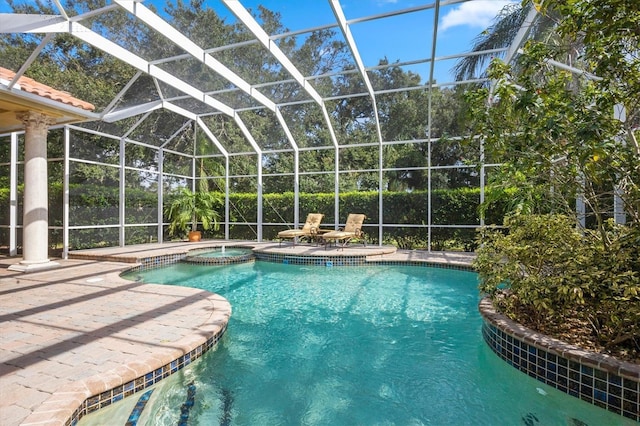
{"points": [[544, 269], [98, 205]]}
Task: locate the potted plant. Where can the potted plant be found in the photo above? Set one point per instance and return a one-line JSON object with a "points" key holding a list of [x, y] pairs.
{"points": [[192, 207]]}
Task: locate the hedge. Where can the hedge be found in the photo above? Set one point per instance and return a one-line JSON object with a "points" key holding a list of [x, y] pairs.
{"points": [[96, 205]]}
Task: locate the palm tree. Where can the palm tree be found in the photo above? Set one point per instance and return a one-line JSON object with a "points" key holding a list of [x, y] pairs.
{"points": [[192, 207], [500, 35]]}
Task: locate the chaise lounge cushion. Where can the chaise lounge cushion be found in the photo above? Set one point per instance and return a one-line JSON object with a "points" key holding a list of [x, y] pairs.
{"points": [[310, 227], [352, 229]]}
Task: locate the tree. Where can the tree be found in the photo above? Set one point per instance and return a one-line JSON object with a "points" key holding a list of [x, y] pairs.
{"points": [[554, 128], [555, 132], [500, 35], [192, 207]]}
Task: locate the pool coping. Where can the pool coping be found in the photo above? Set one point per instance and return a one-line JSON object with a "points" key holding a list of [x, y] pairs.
{"points": [[137, 376], [93, 393], [67, 351]]}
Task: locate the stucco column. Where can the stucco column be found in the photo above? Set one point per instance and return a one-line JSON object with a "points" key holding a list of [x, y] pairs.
{"points": [[35, 234]]}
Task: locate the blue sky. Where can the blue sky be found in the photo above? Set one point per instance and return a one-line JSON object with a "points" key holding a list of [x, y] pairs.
{"points": [[402, 38]]}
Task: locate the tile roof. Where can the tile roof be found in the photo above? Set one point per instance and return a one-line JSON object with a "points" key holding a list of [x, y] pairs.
{"points": [[31, 86]]}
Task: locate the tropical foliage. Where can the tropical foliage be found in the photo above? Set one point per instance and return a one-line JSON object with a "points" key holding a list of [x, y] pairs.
{"points": [[546, 273], [190, 207], [491, 42], [567, 138]]}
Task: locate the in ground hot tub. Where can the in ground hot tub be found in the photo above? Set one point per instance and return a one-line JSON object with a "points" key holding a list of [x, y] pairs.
{"points": [[223, 255]]}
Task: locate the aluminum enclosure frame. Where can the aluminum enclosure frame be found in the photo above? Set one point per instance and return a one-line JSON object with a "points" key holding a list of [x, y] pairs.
{"points": [[63, 23]]}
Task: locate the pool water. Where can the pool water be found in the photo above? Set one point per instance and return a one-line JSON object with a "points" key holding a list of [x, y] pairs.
{"points": [[374, 345]]}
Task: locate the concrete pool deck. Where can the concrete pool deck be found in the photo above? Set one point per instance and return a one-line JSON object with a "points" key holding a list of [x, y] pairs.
{"points": [[75, 331]]}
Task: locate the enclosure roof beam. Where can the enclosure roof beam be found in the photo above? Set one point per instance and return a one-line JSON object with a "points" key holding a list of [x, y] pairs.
{"points": [[136, 124], [179, 110], [357, 95], [295, 33], [92, 13], [119, 96], [521, 34], [247, 134], [96, 40], [404, 11], [61, 9], [517, 41], [31, 23], [245, 17], [569, 68], [346, 32], [30, 59], [57, 24], [176, 133], [132, 111], [372, 68], [286, 130], [211, 136], [162, 27], [434, 41]]}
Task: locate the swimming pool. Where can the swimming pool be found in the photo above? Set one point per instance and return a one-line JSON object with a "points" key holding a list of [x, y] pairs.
{"points": [[350, 345]]}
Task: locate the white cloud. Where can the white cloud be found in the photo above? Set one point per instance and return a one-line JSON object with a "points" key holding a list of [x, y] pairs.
{"points": [[474, 13]]}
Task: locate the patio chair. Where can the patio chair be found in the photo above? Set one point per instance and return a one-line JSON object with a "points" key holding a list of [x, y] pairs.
{"points": [[352, 229], [308, 230]]}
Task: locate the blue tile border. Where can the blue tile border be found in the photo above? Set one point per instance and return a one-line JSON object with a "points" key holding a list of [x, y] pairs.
{"points": [[423, 263], [152, 262], [158, 261], [346, 260], [291, 259], [599, 379], [342, 260], [141, 383]]}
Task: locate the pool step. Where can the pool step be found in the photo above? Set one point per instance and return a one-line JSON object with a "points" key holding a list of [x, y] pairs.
{"points": [[137, 410], [188, 405]]}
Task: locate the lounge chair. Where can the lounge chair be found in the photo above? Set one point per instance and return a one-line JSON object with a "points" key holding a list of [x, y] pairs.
{"points": [[309, 229], [352, 229]]}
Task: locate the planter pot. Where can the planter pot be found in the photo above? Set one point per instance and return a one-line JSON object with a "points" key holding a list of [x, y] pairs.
{"points": [[195, 236]]}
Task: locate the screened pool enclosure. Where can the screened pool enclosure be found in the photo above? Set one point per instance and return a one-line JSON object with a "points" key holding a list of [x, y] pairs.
{"points": [[326, 106]]}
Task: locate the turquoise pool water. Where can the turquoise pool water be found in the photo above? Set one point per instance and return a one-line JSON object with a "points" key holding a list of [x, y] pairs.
{"points": [[375, 345]]}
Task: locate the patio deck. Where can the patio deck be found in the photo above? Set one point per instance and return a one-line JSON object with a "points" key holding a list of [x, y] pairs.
{"points": [[73, 332]]}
